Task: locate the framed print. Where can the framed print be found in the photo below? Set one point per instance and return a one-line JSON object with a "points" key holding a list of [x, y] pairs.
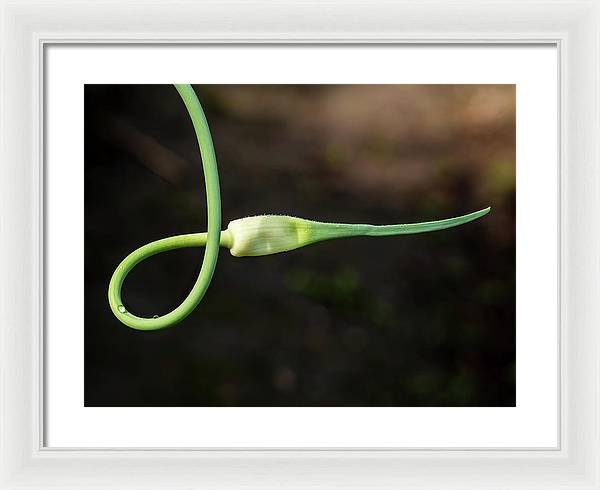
{"points": [[251, 245]]}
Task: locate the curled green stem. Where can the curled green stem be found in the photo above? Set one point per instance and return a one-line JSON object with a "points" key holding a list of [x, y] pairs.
{"points": [[212, 238]]}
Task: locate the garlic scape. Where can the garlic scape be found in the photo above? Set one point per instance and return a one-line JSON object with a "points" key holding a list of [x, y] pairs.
{"points": [[245, 237]]}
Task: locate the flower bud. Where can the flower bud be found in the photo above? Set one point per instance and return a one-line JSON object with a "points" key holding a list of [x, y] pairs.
{"points": [[268, 234], [271, 234]]}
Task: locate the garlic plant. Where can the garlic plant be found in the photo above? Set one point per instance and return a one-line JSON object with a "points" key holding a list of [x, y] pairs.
{"points": [[251, 236]]}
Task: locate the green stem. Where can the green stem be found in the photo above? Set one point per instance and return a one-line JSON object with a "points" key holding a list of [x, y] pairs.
{"points": [[211, 239]]}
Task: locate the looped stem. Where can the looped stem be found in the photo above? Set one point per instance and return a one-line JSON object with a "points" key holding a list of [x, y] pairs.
{"points": [[211, 239]]}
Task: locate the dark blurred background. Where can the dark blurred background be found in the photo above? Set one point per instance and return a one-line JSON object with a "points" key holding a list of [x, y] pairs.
{"points": [[418, 320]]}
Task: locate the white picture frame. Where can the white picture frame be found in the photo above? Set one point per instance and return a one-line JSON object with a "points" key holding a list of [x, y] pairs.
{"points": [[572, 26]]}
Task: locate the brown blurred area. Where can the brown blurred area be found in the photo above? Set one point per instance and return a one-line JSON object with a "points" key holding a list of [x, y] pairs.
{"points": [[423, 320]]}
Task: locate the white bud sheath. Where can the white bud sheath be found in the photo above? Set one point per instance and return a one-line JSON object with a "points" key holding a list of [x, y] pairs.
{"points": [[268, 234]]}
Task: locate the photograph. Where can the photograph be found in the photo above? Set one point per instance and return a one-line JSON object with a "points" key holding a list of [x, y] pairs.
{"points": [[366, 254], [300, 245]]}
